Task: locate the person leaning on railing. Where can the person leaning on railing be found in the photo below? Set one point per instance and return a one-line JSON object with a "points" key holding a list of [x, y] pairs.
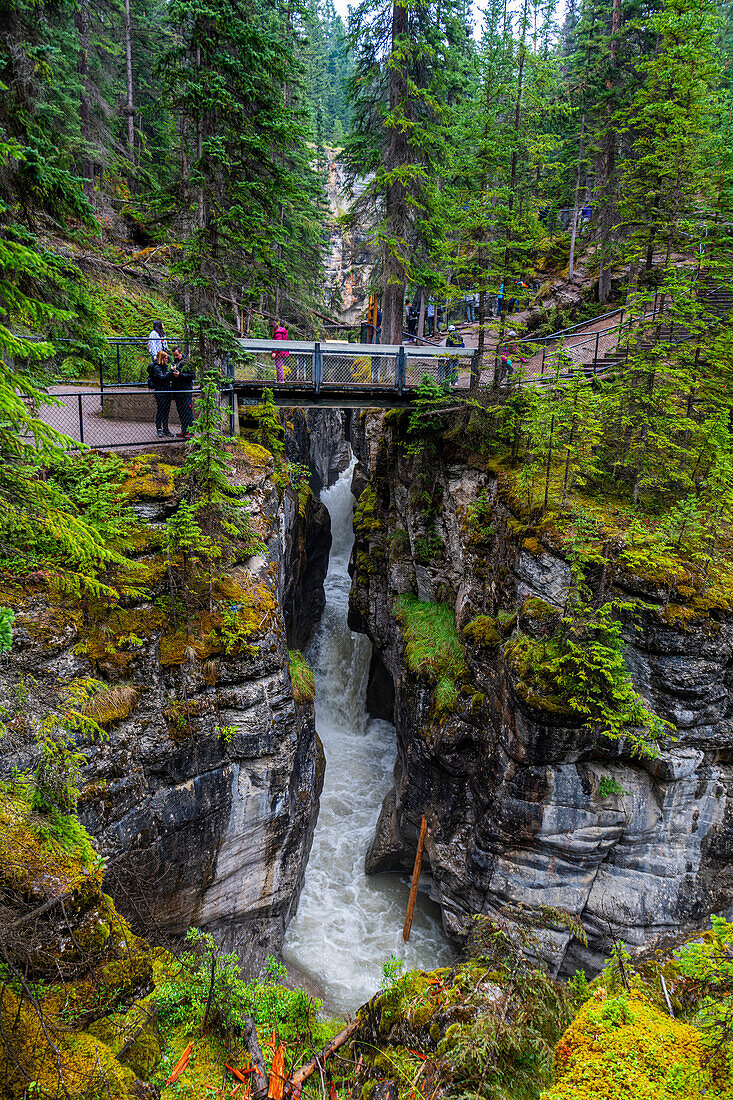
{"points": [[182, 377], [159, 381]]}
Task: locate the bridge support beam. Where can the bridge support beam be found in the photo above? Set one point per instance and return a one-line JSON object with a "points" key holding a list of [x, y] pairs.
{"points": [[317, 367]]}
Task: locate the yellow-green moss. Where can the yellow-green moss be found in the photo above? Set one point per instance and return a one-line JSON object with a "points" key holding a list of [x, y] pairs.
{"points": [[257, 456], [619, 1048], [482, 631], [231, 630], [365, 521], [150, 479]]}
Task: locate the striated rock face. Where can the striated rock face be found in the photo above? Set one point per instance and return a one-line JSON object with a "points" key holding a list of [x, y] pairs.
{"points": [[328, 451], [205, 796], [349, 262], [518, 814], [315, 438]]}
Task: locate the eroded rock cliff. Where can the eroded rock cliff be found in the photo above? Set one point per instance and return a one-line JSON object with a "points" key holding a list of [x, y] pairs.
{"points": [[525, 807], [203, 797]]}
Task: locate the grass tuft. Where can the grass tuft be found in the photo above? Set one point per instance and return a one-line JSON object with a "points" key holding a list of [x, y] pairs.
{"points": [[301, 677], [433, 649]]}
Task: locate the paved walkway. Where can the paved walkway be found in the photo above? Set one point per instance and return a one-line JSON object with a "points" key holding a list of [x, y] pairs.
{"points": [[98, 430]]}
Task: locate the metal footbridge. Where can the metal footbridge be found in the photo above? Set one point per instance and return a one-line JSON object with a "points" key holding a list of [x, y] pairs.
{"points": [[303, 372]]}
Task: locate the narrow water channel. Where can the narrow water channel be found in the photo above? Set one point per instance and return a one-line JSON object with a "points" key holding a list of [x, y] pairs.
{"points": [[348, 924]]}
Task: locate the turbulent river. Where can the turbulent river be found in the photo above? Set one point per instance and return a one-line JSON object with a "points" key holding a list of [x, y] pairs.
{"points": [[348, 924]]}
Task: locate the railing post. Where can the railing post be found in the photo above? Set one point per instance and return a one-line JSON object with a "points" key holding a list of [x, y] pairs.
{"points": [[317, 366], [117, 349], [401, 370], [544, 353], [231, 411], [475, 369], [595, 354], [81, 419]]}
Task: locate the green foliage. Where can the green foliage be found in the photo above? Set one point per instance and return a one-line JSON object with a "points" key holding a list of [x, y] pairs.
{"points": [[270, 433], [427, 419], [7, 618], [579, 672], [392, 968], [433, 649], [55, 782], [609, 787], [707, 967], [497, 1054], [579, 988], [93, 482], [480, 515], [268, 1002], [225, 732], [301, 677]]}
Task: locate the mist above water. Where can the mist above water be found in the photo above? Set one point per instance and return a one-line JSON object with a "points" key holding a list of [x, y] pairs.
{"points": [[348, 924]]}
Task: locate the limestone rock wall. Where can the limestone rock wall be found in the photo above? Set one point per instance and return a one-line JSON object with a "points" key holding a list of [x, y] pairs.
{"points": [[349, 260], [513, 795], [204, 797]]}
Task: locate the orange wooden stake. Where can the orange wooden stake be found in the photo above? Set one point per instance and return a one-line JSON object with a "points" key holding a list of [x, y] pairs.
{"points": [[243, 1074], [415, 880], [277, 1074], [180, 1065]]}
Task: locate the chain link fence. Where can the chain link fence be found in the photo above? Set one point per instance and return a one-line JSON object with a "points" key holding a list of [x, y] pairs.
{"points": [[122, 417]]}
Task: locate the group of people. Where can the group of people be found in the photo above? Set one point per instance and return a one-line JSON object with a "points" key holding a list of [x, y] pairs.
{"points": [[169, 382]]}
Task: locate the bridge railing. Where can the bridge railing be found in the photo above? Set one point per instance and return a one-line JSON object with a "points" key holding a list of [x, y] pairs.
{"points": [[333, 365]]}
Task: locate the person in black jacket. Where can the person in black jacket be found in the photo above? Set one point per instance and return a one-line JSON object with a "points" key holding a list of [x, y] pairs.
{"points": [[182, 386], [159, 380]]}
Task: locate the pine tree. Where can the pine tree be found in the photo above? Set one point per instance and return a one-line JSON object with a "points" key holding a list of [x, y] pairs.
{"points": [[243, 151]]}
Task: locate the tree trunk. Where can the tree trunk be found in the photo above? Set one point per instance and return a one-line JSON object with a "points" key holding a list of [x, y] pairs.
{"points": [[512, 189], [577, 199], [421, 318], [200, 149], [81, 21], [130, 111], [393, 299], [609, 165]]}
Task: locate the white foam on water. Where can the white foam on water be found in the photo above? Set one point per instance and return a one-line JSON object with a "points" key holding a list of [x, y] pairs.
{"points": [[348, 923]]}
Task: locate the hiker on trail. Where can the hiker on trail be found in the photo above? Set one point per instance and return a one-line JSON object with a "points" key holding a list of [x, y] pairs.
{"points": [[507, 362], [280, 333], [413, 314], [470, 308], [430, 314], [157, 341], [500, 300], [453, 340], [159, 380], [182, 376]]}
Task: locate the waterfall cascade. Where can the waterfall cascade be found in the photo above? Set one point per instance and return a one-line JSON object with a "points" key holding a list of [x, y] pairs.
{"points": [[348, 924]]}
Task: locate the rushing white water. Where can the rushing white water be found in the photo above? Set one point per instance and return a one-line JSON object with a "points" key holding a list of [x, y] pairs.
{"points": [[348, 924]]}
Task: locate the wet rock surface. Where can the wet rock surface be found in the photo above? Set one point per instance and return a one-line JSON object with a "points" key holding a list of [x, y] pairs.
{"points": [[516, 797]]}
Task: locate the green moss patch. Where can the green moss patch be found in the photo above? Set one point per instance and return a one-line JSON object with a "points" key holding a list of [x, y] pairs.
{"points": [[433, 649]]}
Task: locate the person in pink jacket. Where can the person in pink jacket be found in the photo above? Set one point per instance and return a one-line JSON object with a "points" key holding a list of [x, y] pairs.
{"points": [[280, 333]]}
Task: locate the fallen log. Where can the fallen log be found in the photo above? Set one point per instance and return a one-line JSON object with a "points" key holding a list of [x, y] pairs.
{"points": [[302, 1074]]}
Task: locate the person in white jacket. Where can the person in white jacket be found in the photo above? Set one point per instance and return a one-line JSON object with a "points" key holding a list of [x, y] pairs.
{"points": [[157, 341]]}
